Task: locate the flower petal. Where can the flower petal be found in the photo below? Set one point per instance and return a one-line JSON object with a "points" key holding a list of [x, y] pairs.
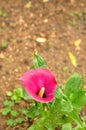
{"points": [[35, 79]]}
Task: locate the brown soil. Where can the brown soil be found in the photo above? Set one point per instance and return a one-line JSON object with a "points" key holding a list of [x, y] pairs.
{"points": [[59, 22]]}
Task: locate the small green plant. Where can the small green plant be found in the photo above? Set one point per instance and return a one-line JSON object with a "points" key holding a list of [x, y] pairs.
{"points": [[4, 45], [17, 116], [71, 14], [4, 30], [62, 112], [2, 13], [75, 16]]}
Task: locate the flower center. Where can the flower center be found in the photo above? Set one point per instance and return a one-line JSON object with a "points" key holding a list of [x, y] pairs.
{"points": [[41, 92]]}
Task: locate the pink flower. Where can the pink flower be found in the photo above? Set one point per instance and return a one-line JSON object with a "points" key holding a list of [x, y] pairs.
{"points": [[40, 84]]}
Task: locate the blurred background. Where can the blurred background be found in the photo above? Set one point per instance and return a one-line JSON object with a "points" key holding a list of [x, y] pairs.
{"points": [[56, 29]]}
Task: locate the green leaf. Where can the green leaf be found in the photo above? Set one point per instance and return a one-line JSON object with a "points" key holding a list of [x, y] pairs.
{"points": [[25, 95], [6, 111], [76, 118], [14, 113], [78, 128], [11, 122], [38, 62], [4, 45], [51, 122], [58, 93], [79, 99], [14, 98], [38, 125], [66, 105], [9, 93], [8, 103], [56, 116], [24, 111], [19, 120], [17, 94], [33, 111], [73, 85], [67, 126], [75, 92]]}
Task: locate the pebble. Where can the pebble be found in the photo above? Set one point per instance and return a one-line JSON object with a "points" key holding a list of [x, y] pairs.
{"points": [[45, 0], [16, 70], [41, 40], [2, 56], [45, 20]]}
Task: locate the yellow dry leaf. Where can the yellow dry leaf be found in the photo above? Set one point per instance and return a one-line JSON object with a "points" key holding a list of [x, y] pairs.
{"points": [[77, 42], [72, 59], [28, 5]]}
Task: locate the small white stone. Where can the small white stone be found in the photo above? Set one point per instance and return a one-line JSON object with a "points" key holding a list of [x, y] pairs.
{"points": [[41, 40], [45, 20], [45, 0]]}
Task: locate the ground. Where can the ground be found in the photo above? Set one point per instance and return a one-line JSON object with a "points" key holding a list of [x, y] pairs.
{"points": [[61, 26]]}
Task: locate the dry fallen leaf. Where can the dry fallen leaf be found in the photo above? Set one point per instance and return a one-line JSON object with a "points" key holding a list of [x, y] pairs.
{"points": [[77, 44], [41, 40], [28, 5], [72, 59]]}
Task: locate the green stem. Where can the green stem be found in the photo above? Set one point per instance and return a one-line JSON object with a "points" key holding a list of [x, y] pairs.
{"points": [[41, 108]]}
